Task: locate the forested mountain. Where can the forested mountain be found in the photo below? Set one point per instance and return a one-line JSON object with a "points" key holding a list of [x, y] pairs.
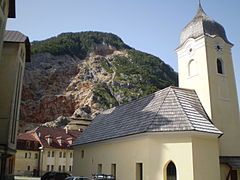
{"points": [[78, 75]]}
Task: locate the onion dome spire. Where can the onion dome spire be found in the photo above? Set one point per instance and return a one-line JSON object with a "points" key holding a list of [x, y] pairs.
{"points": [[202, 25]]}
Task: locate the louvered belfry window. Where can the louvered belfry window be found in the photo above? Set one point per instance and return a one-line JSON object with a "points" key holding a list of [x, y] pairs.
{"points": [[220, 66]]}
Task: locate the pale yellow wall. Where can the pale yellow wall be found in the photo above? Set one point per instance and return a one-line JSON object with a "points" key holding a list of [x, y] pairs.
{"points": [[11, 77], [225, 109], [22, 163], [56, 160], [154, 152], [217, 92], [203, 150], [199, 81]]}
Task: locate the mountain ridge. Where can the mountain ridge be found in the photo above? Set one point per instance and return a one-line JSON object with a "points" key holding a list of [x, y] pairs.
{"points": [[79, 75]]}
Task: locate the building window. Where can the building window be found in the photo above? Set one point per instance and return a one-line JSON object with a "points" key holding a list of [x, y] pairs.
{"points": [[70, 168], [114, 170], [139, 171], [26, 154], [52, 168], [171, 171], [52, 153], [29, 155], [64, 154], [36, 145], [48, 153], [48, 167], [28, 144], [59, 168], [63, 168], [36, 155], [71, 154], [99, 170], [60, 154], [82, 154], [220, 66], [28, 168], [192, 68]]}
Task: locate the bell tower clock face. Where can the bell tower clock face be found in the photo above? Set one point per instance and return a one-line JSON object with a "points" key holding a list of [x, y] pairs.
{"points": [[219, 48]]}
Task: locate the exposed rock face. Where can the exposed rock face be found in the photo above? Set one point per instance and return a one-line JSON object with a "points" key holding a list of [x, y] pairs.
{"points": [[60, 122], [65, 85]]}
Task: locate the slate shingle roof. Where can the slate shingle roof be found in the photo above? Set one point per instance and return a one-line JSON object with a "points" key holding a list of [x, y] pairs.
{"points": [[202, 25], [168, 110]]}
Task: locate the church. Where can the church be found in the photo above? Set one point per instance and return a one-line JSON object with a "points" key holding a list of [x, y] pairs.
{"points": [[188, 132]]}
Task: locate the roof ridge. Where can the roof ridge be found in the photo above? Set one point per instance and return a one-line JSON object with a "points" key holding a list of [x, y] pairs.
{"points": [[184, 112], [169, 88]]}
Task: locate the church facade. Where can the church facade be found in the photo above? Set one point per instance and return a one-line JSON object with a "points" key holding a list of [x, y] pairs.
{"points": [[188, 132]]}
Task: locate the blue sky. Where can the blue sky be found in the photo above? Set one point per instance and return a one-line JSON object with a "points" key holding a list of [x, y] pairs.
{"points": [[152, 26]]}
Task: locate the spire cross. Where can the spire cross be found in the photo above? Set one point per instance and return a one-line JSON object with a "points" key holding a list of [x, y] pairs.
{"points": [[199, 4]]}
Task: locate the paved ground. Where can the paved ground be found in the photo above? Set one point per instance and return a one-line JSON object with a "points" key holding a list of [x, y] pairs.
{"points": [[26, 178]]}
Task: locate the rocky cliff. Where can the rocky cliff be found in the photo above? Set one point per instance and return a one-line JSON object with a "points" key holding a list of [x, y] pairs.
{"points": [[78, 75]]}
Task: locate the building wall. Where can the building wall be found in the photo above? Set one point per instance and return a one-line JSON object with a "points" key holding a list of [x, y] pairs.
{"points": [[51, 157], [224, 101], [153, 152], [25, 162], [3, 19], [203, 149], [217, 92], [198, 79], [11, 75]]}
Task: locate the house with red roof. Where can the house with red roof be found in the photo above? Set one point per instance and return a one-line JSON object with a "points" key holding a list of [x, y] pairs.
{"points": [[45, 149]]}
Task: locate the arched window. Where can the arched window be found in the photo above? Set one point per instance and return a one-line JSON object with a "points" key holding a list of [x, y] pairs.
{"points": [[171, 171], [192, 68], [220, 66]]}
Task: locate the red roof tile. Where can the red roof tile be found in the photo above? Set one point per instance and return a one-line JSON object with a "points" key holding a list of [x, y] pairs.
{"points": [[41, 134]]}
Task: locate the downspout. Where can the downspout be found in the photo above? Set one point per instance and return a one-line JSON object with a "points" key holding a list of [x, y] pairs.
{"points": [[40, 161], [39, 157]]}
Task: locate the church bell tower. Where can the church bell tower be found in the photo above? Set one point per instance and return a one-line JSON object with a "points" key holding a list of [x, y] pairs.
{"points": [[205, 65]]}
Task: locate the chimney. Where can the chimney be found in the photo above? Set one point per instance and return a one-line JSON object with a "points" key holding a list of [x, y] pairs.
{"points": [[66, 130], [70, 140], [49, 139], [59, 140]]}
